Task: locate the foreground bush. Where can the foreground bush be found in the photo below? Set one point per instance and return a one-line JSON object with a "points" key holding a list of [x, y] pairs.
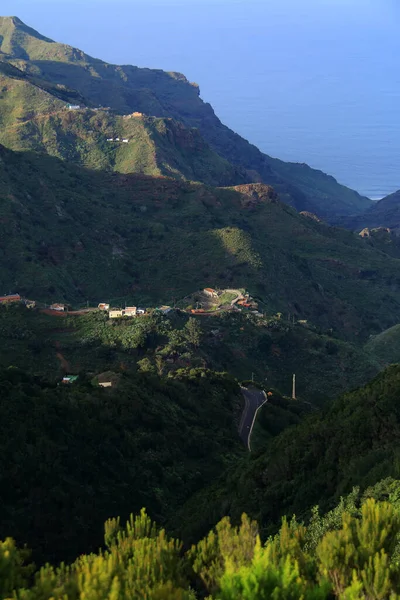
{"points": [[351, 553]]}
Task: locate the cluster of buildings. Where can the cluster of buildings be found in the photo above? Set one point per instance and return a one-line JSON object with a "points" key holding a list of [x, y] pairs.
{"points": [[122, 140], [80, 107], [134, 115], [118, 313], [10, 298]]}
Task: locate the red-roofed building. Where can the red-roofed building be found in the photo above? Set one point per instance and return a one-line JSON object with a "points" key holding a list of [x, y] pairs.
{"points": [[10, 298], [210, 292]]}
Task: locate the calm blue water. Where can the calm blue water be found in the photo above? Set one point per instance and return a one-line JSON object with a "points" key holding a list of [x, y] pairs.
{"points": [[316, 81]]}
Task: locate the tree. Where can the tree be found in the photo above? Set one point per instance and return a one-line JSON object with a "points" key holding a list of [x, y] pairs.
{"points": [[159, 365], [193, 332], [145, 366]]}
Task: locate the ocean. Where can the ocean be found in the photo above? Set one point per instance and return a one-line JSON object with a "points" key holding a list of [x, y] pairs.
{"points": [[315, 81]]}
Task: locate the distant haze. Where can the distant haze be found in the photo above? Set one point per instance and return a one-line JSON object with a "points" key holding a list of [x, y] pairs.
{"points": [[316, 81]]}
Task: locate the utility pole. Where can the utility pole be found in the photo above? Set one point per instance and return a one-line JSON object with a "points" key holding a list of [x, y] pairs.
{"points": [[294, 387]]}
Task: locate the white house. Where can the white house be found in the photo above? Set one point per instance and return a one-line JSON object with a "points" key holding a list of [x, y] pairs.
{"points": [[59, 307], [210, 292], [125, 141], [103, 306]]}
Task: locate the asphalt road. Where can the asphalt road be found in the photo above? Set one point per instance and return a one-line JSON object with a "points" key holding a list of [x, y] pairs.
{"points": [[254, 399]]}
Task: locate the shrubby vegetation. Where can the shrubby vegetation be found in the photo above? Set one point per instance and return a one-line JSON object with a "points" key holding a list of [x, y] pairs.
{"points": [[78, 454], [353, 441], [272, 348], [351, 553]]}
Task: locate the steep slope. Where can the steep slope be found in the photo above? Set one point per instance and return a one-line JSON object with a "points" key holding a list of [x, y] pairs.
{"points": [[85, 453], [153, 92], [103, 140], [34, 116], [353, 442], [77, 234], [385, 347]]}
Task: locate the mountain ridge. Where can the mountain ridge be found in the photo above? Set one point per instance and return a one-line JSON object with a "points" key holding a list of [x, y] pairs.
{"points": [[126, 89], [383, 213]]}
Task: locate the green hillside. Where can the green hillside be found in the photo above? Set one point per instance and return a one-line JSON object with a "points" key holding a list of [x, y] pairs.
{"points": [[80, 452], [222, 237], [241, 344], [76, 235], [60, 72], [385, 347], [85, 453], [34, 116], [119, 185], [352, 442], [95, 139]]}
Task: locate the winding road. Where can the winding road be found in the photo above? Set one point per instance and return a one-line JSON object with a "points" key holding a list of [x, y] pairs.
{"points": [[254, 400]]}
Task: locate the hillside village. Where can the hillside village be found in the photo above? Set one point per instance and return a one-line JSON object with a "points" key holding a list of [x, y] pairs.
{"points": [[204, 302]]}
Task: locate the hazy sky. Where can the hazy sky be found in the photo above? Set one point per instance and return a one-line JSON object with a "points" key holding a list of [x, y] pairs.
{"points": [[286, 74]]}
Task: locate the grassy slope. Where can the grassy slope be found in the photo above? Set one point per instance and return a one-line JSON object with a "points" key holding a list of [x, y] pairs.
{"points": [[385, 347], [154, 92], [77, 234], [33, 119]]}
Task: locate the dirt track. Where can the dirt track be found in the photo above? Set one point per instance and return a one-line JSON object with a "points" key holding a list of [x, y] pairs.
{"points": [[65, 366], [62, 313]]}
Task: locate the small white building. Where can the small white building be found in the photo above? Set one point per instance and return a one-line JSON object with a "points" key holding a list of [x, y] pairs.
{"points": [[125, 141], [165, 309], [130, 311], [59, 307], [116, 313], [103, 306], [74, 106]]}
